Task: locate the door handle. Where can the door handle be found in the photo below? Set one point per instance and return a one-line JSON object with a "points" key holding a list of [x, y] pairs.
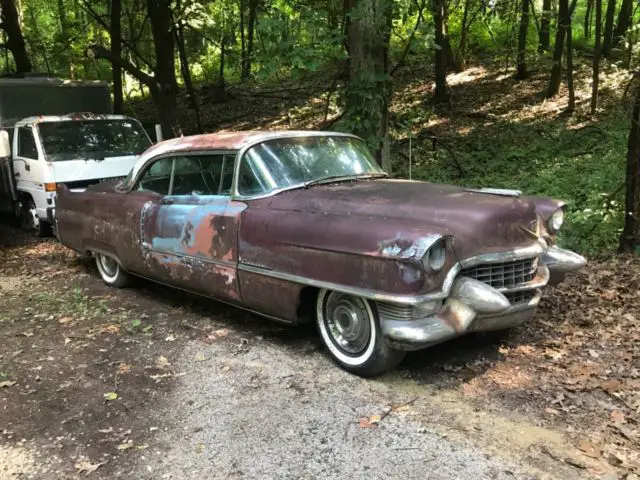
{"points": [[17, 174], [166, 201]]}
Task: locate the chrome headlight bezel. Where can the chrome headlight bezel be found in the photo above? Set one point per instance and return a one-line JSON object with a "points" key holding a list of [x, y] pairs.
{"points": [[435, 258], [556, 220]]}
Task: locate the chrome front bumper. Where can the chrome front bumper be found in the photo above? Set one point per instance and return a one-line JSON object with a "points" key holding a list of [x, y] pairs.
{"points": [[474, 306]]}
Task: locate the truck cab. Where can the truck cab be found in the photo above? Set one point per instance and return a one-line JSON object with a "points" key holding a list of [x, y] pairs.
{"points": [[42, 145], [76, 150]]}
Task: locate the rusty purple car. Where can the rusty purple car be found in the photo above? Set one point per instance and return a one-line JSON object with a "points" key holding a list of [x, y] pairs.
{"points": [[306, 227]]}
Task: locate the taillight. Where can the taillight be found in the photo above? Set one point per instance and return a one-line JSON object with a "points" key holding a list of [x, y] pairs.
{"points": [[50, 187]]}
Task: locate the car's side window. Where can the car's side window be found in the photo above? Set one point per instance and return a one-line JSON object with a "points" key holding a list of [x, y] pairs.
{"points": [[157, 178], [27, 144], [190, 175], [201, 175]]}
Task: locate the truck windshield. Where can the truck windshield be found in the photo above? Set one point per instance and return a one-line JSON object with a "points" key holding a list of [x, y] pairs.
{"points": [[92, 139]]}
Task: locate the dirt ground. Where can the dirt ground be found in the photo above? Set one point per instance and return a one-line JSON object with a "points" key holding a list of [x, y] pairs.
{"points": [[114, 383]]}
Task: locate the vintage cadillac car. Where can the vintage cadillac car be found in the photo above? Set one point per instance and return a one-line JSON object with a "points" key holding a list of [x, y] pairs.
{"points": [[305, 227]]}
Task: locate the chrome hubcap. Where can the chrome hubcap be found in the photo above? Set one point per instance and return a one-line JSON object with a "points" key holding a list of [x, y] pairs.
{"points": [[348, 323], [109, 265]]}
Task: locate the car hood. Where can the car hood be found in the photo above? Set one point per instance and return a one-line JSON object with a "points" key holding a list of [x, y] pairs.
{"points": [[479, 222]]}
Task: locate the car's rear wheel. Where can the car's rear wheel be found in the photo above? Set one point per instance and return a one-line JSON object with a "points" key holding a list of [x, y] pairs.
{"points": [[111, 272], [350, 330]]}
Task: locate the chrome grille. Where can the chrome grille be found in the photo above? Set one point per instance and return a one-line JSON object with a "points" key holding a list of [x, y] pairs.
{"points": [[395, 312], [520, 297], [504, 274]]}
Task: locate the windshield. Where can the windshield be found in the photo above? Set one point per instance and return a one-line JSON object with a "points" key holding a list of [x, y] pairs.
{"points": [[92, 139], [289, 162]]}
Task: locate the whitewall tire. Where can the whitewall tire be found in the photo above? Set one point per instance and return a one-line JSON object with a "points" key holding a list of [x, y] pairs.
{"points": [[350, 330], [111, 272]]}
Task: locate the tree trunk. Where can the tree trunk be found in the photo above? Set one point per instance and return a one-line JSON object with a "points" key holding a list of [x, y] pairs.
{"points": [[624, 20], [572, 93], [165, 88], [544, 43], [442, 91], [116, 49], [462, 47], [587, 19], [251, 22], [243, 42], [596, 58], [186, 75], [607, 41], [556, 69], [223, 44], [522, 71], [630, 238], [15, 39], [368, 91]]}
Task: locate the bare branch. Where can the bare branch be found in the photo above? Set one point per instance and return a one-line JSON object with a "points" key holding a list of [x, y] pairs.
{"points": [[98, 51], [98, 18], [413, 34]]}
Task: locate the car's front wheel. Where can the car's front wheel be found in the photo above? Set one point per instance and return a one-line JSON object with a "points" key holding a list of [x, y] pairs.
{"points": [[111, 272], [350, 329]]}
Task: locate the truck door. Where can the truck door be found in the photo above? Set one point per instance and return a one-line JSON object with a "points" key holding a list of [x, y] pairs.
{"points": [[28, 169]]}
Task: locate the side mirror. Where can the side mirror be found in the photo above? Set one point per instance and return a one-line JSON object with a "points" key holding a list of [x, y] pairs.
{"points": [[159, 136], [5, 144]]}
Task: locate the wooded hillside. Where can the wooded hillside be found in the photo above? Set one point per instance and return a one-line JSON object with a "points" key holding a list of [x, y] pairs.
{"points": [[396, 72]]}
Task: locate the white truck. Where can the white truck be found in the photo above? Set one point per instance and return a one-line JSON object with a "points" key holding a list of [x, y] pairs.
{"points": [[52, 146]]}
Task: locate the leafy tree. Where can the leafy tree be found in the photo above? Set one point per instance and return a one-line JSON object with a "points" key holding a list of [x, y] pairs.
{"points": [[14, 39]]}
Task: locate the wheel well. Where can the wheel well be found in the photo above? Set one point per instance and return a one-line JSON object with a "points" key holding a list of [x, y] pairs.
{"points": [[307, 304]]}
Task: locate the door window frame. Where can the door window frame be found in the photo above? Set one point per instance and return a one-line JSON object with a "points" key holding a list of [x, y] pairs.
{"points": [[27, 130], [134, 186]]}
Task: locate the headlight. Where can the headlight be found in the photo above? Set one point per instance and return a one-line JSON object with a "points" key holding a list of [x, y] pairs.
{"points": [[435, 257], [556, 220]]}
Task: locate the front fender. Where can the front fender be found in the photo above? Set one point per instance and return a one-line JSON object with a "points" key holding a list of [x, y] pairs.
{"points": [[379, 257]]}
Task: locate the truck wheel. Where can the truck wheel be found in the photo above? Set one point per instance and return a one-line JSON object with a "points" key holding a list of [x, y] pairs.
{"points": [[350, 330], [30, 222], [111, 272]]}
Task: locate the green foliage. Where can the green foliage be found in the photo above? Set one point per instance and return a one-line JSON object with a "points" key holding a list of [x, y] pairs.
{"points": [[584, 167]]}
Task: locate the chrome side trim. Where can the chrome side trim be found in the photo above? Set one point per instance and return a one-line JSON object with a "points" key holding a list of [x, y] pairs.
{"points": [[213, 261], [361, 292]]}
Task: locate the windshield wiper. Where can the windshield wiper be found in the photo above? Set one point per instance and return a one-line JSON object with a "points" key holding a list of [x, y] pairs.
{"points": [[345, 178]]}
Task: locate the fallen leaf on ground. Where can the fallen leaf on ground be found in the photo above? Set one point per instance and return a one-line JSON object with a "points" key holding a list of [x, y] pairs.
{"points": [[88, 467], [589, 449], [7, 383], [170, 338], [611, 386], [617, 416], [125, 446], [369, 422], [162, 362], [110, 396], [374, 419], [124, 368], [64, 320], [110, 329], [67, 341]]}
